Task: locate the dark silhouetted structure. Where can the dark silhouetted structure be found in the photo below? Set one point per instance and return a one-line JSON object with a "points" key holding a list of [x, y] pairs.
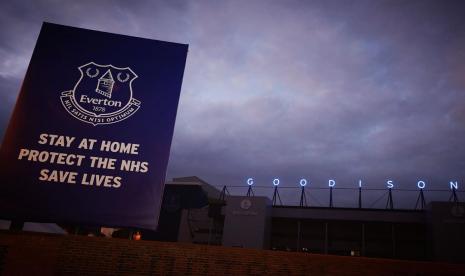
{"points": [[434, 232]]}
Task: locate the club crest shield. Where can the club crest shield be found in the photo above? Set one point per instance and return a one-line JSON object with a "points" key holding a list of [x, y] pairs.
{"points": [[102, 95]]}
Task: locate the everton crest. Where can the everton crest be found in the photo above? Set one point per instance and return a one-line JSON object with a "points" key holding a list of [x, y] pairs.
{"points": [[103, 94]]}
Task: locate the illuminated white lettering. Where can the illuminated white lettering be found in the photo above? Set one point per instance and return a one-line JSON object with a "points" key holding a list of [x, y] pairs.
{"points": [[102, 162], [23, 153], [104, 102], [390, 184], [127, 148], [42, 139], [276, 181], [331, 183], [134, 166], [51, 157], [58, 176], [421, 184], [117, 182], [87, 144], [101, 180], [55, 140]]}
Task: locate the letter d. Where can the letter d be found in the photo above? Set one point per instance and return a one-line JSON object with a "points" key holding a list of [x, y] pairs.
{"points": [[331, 183]]}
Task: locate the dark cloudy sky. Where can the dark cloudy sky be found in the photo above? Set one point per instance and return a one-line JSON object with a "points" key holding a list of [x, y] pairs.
{"points": [[317, 89]]}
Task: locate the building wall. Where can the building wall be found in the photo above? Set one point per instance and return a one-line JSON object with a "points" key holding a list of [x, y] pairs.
{"points": [[246, 222], [197, 226], [421, 235], [344, 237], [42, 254], [447, 231]]}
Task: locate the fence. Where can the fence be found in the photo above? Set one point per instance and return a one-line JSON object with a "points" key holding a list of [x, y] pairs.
{"points": [[371, 198]]}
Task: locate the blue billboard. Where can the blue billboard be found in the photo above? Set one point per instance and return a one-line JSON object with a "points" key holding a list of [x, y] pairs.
{"points": [[89, 139]]}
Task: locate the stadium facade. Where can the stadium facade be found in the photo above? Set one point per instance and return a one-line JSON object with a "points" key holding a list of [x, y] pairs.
{"points": [[195, 212]]}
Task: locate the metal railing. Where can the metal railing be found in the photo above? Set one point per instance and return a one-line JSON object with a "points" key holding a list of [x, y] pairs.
{"points": [[371, 198]]}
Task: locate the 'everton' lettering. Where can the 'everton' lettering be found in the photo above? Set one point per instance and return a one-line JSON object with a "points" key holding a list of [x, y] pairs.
{"points": [[104, 102]]}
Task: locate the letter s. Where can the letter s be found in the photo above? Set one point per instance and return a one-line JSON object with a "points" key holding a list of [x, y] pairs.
{"points": [[43, 175], [42, 138], [390, 184], [144, 167], [117, 182]]}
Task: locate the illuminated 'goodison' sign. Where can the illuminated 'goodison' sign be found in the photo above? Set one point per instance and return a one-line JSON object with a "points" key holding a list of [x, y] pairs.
{"points": [[421, 184]]}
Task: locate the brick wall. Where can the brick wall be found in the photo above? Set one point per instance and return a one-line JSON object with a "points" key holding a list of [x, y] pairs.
{"points": [[42, 254]]}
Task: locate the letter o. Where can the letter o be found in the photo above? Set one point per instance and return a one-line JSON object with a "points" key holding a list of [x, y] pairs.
{"points": [[303, 182], [421, 184], [276, 181]]}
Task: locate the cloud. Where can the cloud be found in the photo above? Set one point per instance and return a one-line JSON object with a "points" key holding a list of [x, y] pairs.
{"points": [[320, 89]]}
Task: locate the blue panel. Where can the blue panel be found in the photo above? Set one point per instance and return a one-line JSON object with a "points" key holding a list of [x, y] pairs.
{"points": [[90, 135]]}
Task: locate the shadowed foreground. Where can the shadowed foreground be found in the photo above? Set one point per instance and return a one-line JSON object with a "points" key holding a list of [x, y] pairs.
{"points": [[43, 254]]}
